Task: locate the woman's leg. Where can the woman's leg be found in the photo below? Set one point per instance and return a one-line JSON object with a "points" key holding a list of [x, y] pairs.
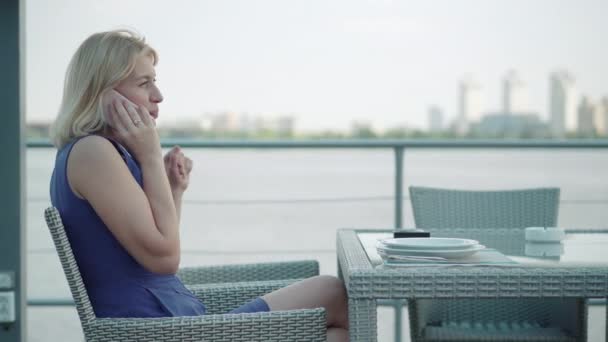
{"points": [[337, 335], [320, 291]]}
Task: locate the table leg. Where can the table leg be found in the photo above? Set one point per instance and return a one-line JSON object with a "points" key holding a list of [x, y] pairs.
{"points": [[398, 305], [362, 316]]}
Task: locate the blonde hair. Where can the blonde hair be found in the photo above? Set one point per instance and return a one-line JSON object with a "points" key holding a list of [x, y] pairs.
{"points": [[101, 62]]}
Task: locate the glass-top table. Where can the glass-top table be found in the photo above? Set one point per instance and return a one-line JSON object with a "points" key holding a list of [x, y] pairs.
{"points": [[579, 248], [575, 268]]}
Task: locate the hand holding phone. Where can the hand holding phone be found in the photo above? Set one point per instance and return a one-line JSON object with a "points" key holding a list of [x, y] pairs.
{"points": [[108, 99], [132, 126]]}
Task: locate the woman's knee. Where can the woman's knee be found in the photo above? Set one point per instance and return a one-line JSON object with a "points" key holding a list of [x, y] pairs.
{"points": [[334, 294], [337, 307], [334, 286]]}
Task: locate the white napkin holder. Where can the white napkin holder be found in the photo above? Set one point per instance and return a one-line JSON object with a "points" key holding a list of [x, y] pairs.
{"points": [[544, 250], [545, 234]]}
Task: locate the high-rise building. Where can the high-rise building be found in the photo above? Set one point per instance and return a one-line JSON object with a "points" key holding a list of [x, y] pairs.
{"points": [[586, 117], [470, 104], [562, 103], [514, 94], [602, 129], [435, 119]]}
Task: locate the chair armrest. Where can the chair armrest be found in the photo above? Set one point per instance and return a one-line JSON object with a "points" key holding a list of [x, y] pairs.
{"points": [[293, 325], [223, 297], [249, 272]]}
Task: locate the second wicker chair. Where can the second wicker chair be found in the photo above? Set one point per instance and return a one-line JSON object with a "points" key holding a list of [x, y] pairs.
{"points": [[559, 319]]}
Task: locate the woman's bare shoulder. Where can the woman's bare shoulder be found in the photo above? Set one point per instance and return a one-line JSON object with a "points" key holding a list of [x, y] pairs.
{"points": [[92, 144], [93, 154]]}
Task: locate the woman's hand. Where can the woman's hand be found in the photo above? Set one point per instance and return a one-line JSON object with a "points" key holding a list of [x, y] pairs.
{"points": [[132, 126], [107, 102], [178, 168]]}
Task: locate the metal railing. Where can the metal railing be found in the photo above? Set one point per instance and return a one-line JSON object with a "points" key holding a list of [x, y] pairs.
{"points": [[398, 146]]}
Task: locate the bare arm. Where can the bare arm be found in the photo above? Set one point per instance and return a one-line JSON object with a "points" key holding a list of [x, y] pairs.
{"points": [[157, 190], [144, 220], [177, 200]]}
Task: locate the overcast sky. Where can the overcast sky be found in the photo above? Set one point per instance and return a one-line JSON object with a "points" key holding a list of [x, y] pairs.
{"points": [[328, 62]]}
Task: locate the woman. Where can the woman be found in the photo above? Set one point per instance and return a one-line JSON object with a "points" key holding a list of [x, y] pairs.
{"points": [[120, 200]]}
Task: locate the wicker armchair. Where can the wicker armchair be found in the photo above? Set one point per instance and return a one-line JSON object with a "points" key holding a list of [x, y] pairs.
{"points": [[224, 288], [517, 319]]}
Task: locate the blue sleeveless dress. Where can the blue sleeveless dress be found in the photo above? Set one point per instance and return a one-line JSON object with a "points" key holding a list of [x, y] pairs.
{"points": [[117, 285]]}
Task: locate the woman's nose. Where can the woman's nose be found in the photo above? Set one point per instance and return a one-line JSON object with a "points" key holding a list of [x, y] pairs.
{"points": [[157, 97]]}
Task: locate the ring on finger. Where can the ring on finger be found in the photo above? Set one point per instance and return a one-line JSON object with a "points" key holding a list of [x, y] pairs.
{"points": [[136, 122]]}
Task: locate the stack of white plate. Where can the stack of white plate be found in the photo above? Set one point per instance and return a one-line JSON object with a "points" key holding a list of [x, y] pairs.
{"points": [[446, 248]]}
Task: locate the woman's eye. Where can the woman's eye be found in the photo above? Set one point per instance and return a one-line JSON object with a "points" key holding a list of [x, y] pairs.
{"points": [[144, 84]]}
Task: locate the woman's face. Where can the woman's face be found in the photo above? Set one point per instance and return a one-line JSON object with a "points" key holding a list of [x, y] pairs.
{"points": [[140, 87]]}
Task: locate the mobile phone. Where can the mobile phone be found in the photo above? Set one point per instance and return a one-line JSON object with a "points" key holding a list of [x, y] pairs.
{"points": [[411, 233]]}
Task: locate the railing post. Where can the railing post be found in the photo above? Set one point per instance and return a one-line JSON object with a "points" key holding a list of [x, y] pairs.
{"points": [[12, 175], [398, 185]]}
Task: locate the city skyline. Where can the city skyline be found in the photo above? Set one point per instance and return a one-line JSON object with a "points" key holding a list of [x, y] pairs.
{"points": [[328, 63], [569, 112]]}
